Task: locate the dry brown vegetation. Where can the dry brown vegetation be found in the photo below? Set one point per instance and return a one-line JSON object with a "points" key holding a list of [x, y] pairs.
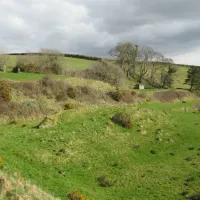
{"points": [[170, 96], [16, 188], [5, 91], [31, 99], [123, 119]]}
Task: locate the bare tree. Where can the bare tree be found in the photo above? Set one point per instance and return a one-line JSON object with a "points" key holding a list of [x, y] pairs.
{"points": [[48, 61], [168, 72], [145, 54], [155, 58], [126, 54], [4, 58]]}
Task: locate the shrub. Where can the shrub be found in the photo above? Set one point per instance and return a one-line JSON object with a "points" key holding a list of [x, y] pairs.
{"points": [[71, 92], [104, 182], [46, 81], [77, 196], [53, 88], [85, 90], [5, 91], [127, 97], [61, 96], [123, 119], [68, 106], [133, 93], [54, 68], [148, 100], [106, 72], [116, 95], [142, 95]]}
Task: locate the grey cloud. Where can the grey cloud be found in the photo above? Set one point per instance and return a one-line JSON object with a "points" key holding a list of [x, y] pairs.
{"points": [[92, 27], [139, 21]]}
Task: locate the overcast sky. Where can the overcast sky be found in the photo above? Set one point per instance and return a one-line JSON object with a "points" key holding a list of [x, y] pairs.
{"points": [[92, 27]]}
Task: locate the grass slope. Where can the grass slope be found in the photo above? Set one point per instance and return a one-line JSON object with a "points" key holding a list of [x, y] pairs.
{"points": [[86, 145]]}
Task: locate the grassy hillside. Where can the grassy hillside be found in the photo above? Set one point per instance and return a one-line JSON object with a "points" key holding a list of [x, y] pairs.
{"points": [[88, 153], [60, 136]]}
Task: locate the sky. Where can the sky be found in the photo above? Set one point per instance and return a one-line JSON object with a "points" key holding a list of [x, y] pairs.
{"points": [[93, 27]]}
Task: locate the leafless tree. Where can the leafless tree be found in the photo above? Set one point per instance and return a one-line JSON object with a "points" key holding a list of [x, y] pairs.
{"points": [[48, 61], [126, 54], [145, 54], [4, 58]]}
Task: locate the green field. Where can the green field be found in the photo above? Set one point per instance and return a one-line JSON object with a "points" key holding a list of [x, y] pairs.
{"points": [[67, 61], [157, 159]]}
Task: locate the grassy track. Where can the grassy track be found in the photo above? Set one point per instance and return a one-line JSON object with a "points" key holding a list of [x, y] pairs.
{"points": [[86, 145]]}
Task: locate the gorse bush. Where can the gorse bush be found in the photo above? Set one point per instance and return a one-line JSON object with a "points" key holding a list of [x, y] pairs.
{"points": [[105, 182], [123, 119], [68, 106], [74, 195], [5, 91], [123, 95], [71, 92], [116, 95]]}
